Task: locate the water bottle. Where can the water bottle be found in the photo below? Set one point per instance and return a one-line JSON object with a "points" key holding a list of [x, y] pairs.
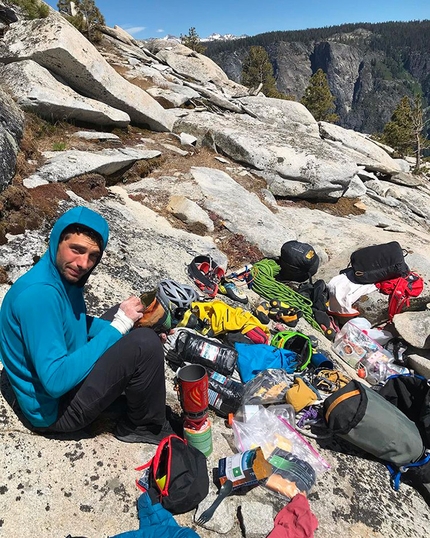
{"points": [[225, 395], [213, 355]]}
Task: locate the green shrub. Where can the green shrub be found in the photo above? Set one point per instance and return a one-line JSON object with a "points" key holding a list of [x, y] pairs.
{"points": [[33, 9], [58, 146]]}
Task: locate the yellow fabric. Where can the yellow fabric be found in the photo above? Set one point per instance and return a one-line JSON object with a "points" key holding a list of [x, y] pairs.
{"points": [[300, 395], [224, 318]]}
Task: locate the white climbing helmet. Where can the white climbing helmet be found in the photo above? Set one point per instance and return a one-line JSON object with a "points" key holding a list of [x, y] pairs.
{"points": [[179, 294]]}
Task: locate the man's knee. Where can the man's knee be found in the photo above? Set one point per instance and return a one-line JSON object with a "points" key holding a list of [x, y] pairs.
{"points": [[147, 342]]}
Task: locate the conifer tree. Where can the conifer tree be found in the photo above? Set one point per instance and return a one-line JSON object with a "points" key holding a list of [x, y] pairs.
{"points": [[257, 73], [192, 41], [87, 18], [398, 132], [318, 98], [404, 132]]}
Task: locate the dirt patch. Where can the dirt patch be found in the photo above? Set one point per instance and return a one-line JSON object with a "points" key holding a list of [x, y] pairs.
{"points": [[22, 210], [139, 170], [89, 186], [339, 208], [237, 249]]}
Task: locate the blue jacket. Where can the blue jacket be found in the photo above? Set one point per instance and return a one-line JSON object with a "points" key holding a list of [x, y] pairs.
{"points": [[156, 522], [47, 342]]}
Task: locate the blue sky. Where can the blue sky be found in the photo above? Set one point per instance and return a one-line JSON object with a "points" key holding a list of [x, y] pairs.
{"points": [[156, 18]]}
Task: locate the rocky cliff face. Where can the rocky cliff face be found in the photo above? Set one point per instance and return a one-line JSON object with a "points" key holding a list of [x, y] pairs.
{"points": [[367, 79]]}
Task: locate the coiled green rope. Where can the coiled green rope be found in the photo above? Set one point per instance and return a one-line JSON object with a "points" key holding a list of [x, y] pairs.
{"points": [[263, 282]]}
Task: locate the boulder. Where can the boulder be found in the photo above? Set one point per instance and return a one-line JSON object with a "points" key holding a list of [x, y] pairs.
{"points": [[191, 213], [282, 114], [415, 201], [94, 135], [187, 62], [242, 212], [374, 157], [36, 90], [356, 188], [293, 163], [409, 180], [128, 52], [56, 45], [215, 97], [120, 34], [420, 363], [64, 165], [414, 327], [404, 165], [11, 129], [169, 98]]}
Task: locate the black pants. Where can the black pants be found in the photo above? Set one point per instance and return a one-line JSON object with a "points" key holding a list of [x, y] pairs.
{"points": [[134, 365]]}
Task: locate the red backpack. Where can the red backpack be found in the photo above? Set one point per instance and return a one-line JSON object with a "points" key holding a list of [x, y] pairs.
{"points": [[400, 290]]}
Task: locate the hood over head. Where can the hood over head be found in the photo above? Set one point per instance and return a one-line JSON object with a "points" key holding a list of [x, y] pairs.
{"points": [[85, 217]]}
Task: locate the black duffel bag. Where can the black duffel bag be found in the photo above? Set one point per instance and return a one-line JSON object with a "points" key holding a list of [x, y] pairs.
{"points": [[378, 262]]}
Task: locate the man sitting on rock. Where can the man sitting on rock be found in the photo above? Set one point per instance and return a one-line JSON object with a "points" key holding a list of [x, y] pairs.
{"points": [[65, 366]]}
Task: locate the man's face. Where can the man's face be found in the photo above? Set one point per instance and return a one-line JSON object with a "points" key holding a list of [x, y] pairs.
{"points": [[76, 256]]}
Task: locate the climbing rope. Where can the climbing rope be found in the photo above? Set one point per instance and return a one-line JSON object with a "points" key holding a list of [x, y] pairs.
{"points": [[264, 283]]}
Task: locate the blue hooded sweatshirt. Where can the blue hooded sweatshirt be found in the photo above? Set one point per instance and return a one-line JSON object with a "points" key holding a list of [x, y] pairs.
{"points": [[156, 522], [48, 344]]}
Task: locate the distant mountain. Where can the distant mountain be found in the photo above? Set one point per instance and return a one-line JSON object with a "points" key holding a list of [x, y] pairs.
{"points": [[220, 37], [167, 37], [211, 38], [369, 67]]}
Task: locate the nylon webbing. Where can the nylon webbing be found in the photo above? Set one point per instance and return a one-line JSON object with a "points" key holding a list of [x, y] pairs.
{"points": [[396, 474], [263, 282]]}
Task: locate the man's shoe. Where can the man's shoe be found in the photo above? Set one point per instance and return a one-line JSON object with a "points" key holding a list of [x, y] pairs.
{"points": [[127, 432]]}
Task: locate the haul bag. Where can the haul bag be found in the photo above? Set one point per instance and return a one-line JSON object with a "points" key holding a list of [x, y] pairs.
{"points": [[410, 394], [378, 262], [364, 418]]}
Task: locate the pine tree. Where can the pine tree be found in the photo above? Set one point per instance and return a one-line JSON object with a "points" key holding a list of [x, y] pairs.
{"points": [[318, 98], [63, 7], [32, 9], [398, 132], [257, 73], [419, 125], [404, 132], [192, 41], [87, 19]]}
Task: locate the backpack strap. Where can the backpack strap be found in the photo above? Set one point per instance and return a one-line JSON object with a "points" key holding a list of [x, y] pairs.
{"points": [[407, 286], [396, 474]]}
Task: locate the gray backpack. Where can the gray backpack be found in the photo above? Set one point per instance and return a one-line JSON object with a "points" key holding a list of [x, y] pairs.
{"points": [[363, 417]]}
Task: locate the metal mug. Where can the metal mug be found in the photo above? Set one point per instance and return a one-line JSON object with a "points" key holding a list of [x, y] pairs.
{"points": [[193, 391]]}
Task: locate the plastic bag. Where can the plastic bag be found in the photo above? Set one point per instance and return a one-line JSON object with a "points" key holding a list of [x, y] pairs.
{"points": [[295, 463], [353, 345], [268, 387], [379, 335]]}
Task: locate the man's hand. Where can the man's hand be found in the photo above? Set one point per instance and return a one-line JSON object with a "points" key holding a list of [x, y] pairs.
{"points": [[133, 308]]}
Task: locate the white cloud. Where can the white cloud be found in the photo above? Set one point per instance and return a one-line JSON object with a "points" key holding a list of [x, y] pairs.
{"points": [[160, 31], [135, 29]]}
